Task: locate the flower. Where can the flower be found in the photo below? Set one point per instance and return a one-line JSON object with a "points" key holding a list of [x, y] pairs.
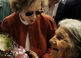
{"points": [[5, 42], [19, 52], [9, 48]]}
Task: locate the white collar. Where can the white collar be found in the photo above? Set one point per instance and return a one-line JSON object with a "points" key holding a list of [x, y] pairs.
{"points": [[24, 22]]}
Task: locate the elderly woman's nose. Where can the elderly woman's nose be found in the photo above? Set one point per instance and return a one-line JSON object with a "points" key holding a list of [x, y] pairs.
{"points": [[51, 40]]}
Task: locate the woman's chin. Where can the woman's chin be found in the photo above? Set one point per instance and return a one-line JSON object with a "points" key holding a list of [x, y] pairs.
{"points": [[31, 22], [54, 53]]}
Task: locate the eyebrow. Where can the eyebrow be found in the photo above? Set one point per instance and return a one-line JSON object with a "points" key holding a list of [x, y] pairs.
{"points": [[61, 34], [64, 34]]}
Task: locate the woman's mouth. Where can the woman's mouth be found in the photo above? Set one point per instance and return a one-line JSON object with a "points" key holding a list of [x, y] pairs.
{"points": [[32, 20]]}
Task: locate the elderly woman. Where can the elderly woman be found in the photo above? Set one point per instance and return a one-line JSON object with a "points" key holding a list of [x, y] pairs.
{"points": [[29, 26], [67, 40]]}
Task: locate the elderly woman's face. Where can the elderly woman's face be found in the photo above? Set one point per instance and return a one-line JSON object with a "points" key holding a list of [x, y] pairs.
{"points": [[29, 15], [61, 43]]}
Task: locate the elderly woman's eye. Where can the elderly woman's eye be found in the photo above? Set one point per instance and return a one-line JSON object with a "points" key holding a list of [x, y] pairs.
{"points": [[65, 40], [59, 38]]}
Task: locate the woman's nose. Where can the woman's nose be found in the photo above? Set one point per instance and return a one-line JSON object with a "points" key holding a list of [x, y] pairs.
{"points": [[34, 16], [52, 40]]}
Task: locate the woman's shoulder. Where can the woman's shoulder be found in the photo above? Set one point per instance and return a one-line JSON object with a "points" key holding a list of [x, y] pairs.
{"points": [[11, 18], [47, 17], [13, 15]]}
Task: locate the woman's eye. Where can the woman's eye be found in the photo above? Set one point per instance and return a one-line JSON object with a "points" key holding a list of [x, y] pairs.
{"points": [[59, 38], [65, 40]]}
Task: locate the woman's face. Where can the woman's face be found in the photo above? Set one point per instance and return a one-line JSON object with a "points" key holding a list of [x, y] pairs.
{"points": [[61, 44], [29, 15]]}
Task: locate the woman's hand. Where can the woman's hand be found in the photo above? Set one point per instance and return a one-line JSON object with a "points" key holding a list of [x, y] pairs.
{"points": [[33, 54]]}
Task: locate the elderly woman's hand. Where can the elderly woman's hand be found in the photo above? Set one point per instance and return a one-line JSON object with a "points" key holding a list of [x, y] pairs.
{"points": [[33, 54]]}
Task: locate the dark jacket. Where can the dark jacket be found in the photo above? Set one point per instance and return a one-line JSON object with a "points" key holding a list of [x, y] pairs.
{"points": [[59, 12], [71, 9]]}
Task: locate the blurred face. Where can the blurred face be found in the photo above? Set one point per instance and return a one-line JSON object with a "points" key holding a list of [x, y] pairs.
{"points": [[61, 43], [29, 15]]}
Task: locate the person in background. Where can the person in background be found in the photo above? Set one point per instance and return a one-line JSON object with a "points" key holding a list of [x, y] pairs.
{"points": [[66, 43], [55, 9], [5, 10], [67, 40], [30, 27], [61, 9]]}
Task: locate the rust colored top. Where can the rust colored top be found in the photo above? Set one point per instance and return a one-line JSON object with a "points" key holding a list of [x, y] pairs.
{"points": [[39, 32]]}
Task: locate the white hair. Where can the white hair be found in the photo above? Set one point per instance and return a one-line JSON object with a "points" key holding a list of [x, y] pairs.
{"points": [[74, 28]]}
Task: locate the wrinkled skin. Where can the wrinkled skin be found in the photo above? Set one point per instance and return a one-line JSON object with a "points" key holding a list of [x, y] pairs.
{"points": [[62, 44]]}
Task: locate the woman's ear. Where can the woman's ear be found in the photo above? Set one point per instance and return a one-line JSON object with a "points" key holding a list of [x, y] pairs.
{"points": [[76, 52]]}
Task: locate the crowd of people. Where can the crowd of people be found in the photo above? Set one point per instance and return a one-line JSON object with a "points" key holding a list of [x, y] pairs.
{"points": [[33, 24]]}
